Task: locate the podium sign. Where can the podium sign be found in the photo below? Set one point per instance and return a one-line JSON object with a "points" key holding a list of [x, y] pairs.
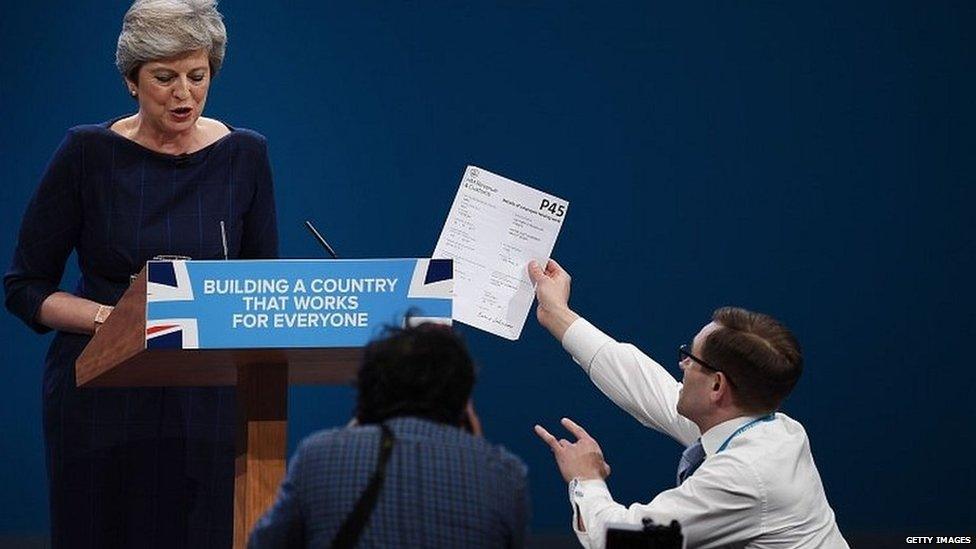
{"points": [[259, 325], [290, 303]]}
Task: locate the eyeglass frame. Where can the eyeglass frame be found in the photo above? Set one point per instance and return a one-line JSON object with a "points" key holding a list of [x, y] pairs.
{"points": [[684, 351]]}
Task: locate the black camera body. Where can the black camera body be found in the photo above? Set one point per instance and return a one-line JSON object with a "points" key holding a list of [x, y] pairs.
{"points": [[648, 535]]}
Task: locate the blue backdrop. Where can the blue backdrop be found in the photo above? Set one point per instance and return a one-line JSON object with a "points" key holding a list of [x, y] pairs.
{"points": [[810, 161]]}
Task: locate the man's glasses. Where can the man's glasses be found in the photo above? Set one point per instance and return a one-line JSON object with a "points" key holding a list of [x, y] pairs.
{"points": [[684, 353]]}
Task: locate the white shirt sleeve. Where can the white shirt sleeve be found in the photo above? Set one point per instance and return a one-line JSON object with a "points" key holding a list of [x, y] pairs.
{"points": [[713, 507], [631, 379]]}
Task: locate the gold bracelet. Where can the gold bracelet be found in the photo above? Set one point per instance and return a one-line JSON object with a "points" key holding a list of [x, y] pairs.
{"points": [[101, 315]]}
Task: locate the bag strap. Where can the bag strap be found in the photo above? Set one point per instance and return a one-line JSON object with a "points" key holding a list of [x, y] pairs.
{"points": [[352, 528]]}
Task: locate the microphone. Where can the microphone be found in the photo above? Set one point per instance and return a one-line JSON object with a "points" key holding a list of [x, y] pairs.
{"points": [[223, 238], [321, 240]]}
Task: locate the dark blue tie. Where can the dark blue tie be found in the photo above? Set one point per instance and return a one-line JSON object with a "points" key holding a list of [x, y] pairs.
{"points": [[691, 459]]}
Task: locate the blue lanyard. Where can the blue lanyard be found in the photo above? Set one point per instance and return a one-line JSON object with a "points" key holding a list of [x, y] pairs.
{"points": [[745, 427]]}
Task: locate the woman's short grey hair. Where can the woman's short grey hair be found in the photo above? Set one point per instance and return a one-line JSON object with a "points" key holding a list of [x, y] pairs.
{"points": [[159, 29]]}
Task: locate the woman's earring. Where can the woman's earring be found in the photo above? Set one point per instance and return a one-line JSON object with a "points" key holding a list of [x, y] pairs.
{"points": [[133, 92]]}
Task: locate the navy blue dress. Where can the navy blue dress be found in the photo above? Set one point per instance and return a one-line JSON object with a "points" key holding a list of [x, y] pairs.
{"points": [[137, 467]]}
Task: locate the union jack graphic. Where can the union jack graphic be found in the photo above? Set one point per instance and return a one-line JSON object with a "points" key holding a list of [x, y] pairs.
{"points": [[172, 333], [170, 281], [432, 278]]}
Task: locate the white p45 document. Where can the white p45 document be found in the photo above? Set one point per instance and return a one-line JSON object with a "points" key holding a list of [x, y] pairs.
{"points": [[495, 227]]}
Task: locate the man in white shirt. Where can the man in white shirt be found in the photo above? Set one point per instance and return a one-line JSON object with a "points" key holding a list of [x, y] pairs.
{"points": [[747, 477]]}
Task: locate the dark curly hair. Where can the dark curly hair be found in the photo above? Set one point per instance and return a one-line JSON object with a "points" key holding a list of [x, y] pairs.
{"points": [[422, 371]]}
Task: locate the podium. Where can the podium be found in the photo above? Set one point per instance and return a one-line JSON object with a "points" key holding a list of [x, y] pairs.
{"points": [[260, 326]]}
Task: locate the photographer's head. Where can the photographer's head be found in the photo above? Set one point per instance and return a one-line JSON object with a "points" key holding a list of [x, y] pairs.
{"points": [[741, 363], [423, 371]]}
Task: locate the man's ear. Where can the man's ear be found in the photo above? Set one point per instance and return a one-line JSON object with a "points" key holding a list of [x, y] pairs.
{"points": [[720, 386]]}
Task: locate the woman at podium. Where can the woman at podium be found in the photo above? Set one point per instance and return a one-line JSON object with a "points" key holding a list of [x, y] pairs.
{"points": [[141, 467]]}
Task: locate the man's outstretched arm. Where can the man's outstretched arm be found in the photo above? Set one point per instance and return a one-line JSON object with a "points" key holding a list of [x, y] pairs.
{"points": [[630, 378]]}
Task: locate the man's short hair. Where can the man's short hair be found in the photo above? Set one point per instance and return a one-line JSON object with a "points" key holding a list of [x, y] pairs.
{"points": [[422, 371], [760, 355]]}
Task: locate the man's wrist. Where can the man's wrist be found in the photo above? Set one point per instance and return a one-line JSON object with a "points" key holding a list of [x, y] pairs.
{"points": [[585, 476], [558, 320]]}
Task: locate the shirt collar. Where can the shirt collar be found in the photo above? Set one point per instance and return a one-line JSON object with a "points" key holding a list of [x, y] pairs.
{"points": [[714, 437]]}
